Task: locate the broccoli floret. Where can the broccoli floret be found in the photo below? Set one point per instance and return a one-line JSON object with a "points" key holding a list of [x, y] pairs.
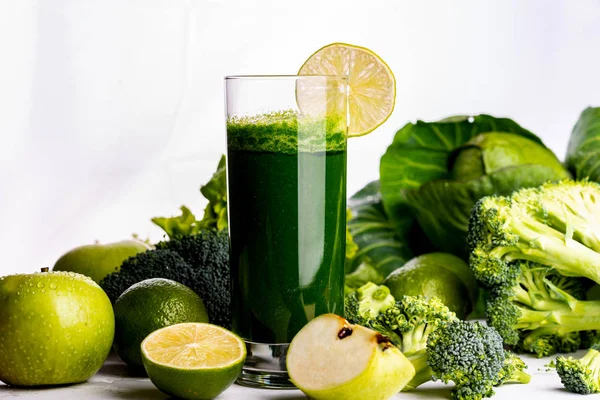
{"points": [[469, 354], [556, 225], [150, 264], [366, 302], [580, 375], [351, 307], [200, 262], [411, 322], [549, 345], [374, 299], [513, 370], [208, 254], [408, 323], [589, 339], [542, 312]]}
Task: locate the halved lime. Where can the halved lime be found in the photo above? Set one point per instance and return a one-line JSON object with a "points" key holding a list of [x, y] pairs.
{"points": [[193, 360], [371, 82]]}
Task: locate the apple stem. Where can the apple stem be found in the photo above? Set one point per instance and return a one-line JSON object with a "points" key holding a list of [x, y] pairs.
{"points": [[45, 269]]}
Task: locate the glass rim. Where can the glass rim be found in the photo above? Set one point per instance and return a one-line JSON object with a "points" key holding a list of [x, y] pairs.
{"points": [[283, 77]]}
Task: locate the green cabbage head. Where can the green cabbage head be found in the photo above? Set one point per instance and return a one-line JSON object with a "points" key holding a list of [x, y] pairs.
{"points": [[437, 171]]}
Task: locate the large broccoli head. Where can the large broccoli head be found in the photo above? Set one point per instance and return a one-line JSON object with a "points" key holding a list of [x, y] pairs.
{"points": [[150, 264], [556, 225], [200, 262]]}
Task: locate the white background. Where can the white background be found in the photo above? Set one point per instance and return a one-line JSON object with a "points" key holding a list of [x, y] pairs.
{"points": [[111, 111]]}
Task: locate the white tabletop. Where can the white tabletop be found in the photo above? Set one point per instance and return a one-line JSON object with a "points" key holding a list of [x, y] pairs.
{"points": [[113, 382]]}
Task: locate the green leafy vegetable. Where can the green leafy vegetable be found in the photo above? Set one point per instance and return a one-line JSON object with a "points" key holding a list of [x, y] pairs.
{"points": [[380, 245], [183, 225], [364, 274], [215, 213], [583, 152], [437, 171], [215, 191]]}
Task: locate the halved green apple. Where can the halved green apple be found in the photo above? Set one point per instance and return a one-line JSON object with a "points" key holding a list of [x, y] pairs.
{"points": [[331, 359]]}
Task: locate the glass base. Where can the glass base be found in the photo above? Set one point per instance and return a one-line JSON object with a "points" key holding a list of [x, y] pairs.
{"points": [[265, 367]]}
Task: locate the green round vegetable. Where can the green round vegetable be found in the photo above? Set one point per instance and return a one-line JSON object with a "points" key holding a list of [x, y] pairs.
{"points": [[150, 305], [439, 275], [437, 171]]}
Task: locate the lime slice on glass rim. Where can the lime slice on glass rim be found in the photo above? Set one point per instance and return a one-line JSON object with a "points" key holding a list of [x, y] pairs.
{"points": [[371, 83], [193, 360]]}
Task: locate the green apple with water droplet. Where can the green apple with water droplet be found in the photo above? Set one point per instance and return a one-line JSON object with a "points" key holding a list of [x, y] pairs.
{"points": [[56, 328], [331, 359]]}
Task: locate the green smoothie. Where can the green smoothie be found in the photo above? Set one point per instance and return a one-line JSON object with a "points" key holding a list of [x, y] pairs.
{"points": [[287, 221]]}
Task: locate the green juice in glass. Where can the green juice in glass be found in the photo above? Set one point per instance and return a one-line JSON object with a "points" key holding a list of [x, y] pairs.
{"points": [[287, 221]]}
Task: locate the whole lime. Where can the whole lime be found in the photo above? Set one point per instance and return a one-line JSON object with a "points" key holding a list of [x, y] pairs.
{"points": [[99, 260], [55, 328], [439, 275], [150, 305]]}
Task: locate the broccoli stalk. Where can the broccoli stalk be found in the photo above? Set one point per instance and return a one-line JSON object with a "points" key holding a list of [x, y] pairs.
{"points": [[513, 370], [554, 225], [580, 375], [542, 312], [423, 372]]}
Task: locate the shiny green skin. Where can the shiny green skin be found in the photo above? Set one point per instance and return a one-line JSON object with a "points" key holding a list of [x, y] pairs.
{"points": [[192, 384], [439, 275], [150, 305], [56, 328], [99, 260]]}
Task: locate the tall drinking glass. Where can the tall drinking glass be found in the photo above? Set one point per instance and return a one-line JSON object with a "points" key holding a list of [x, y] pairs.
{"points": [[286, 169]]}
